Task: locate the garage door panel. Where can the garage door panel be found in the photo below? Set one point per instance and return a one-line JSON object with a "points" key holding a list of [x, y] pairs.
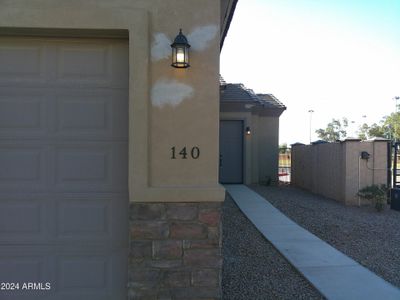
{"points": [[83, 165], [21, 113], [27, 268], [22, 167], [19, 266], [84, 63], [88, 115], [21, 61], [53, 219], [73, 273], [80, 115], [84, 218], [83, 273], [91, 275], [90, 168], [21, 218]]}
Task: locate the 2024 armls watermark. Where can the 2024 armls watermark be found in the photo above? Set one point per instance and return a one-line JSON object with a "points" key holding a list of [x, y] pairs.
{"points": [[25, 286]]}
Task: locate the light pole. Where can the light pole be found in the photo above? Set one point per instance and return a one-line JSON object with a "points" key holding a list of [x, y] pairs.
{"points": [[396, 98], [311, 112], [353, 130]]}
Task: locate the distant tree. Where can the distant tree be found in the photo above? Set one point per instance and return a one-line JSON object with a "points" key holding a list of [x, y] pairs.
{"points": [[366, 131], [388, 127], [363, 132], [391, 126], [283, 148], [335, 130]]}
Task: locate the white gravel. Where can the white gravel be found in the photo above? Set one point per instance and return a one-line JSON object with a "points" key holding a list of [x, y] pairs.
{"points": [[369, 237], [253, 269]]}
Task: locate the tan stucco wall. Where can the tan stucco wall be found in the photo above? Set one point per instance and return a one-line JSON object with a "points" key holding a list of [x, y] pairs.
{"points": [[184, 113], [261, 147], [332, 169], [268, 145], [373, 171]]}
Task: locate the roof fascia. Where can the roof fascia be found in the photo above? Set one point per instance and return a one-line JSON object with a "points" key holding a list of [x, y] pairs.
{"points": [[227, 10]]}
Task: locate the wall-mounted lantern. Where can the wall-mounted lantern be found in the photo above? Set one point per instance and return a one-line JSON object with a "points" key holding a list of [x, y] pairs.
{"points": [[180, 51], [248, 131]]}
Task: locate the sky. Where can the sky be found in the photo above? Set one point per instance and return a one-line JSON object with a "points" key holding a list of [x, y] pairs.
{"points": [[338, 58]]}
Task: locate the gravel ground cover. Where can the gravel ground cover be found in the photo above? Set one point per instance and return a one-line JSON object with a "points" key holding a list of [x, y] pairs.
{"points": [[253, 269], [369, 237]]}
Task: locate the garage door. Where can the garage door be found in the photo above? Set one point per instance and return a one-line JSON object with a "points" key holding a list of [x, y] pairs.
{"points": [[231, 152], [63, 168]]}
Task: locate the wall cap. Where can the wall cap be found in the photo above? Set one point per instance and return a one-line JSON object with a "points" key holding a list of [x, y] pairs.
{"points": [[378, 139], [297, 144], [351, 139]]}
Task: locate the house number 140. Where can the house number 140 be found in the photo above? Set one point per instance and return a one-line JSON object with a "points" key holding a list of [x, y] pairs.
{"points": [[193, 153]]}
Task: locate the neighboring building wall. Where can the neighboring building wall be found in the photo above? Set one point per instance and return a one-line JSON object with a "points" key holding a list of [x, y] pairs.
{"points": [[335, 171], [268, 149], [261, 147]]}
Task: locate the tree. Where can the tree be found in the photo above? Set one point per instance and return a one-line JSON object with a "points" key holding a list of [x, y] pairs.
{"points": [[388, 127], [366, 131], [335, 130], [283, 148], [363, 132]]}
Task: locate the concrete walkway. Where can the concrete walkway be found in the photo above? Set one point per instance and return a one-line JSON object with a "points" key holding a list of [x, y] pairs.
{"points": [[331, 272]]}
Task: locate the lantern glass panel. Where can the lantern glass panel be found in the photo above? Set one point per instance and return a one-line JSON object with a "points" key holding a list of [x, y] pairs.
{"points": [[187, 56], [180, 55], [173, 56]]}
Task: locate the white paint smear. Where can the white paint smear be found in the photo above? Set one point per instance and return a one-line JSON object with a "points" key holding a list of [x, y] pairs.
{"points": [[200, 37], [161, 48], [169, 92]]}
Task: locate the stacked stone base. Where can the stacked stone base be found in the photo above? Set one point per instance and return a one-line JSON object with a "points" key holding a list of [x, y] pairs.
{"points": [[175, 251]]}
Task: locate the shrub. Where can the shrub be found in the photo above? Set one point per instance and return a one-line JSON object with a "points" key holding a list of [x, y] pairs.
{"points": [[377, 194]]}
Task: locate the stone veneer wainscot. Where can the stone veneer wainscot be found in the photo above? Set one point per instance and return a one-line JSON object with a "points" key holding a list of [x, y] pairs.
{"points": [[175, 251]]}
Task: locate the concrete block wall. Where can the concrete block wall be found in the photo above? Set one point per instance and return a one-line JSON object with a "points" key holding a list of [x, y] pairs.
{"points": [[175, 251], [334, 170]]}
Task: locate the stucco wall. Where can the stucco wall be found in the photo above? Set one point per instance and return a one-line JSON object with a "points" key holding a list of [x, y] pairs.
{"points": [[168, 107], [373, 171], [268, 149], [334, 170]]}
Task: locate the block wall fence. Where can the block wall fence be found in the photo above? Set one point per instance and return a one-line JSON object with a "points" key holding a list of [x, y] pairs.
{"points": [[335, 170]]}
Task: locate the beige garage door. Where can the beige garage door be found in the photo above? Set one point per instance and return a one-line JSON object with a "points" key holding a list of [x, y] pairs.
{"points": [[63, 168]]}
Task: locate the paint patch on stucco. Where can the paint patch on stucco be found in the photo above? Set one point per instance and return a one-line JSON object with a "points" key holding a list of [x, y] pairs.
{"points": [[200, 37], [170, 92], [161, 47]]}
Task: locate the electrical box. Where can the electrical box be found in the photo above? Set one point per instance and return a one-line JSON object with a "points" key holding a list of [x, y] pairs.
{"points": [[364, 155]]}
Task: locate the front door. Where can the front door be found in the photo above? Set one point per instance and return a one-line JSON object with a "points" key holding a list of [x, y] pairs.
{"points": [[231, 152]]}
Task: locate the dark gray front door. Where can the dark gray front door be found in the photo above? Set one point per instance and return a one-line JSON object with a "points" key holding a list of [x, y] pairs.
{"points": [[63, 168], [231, 152]]}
